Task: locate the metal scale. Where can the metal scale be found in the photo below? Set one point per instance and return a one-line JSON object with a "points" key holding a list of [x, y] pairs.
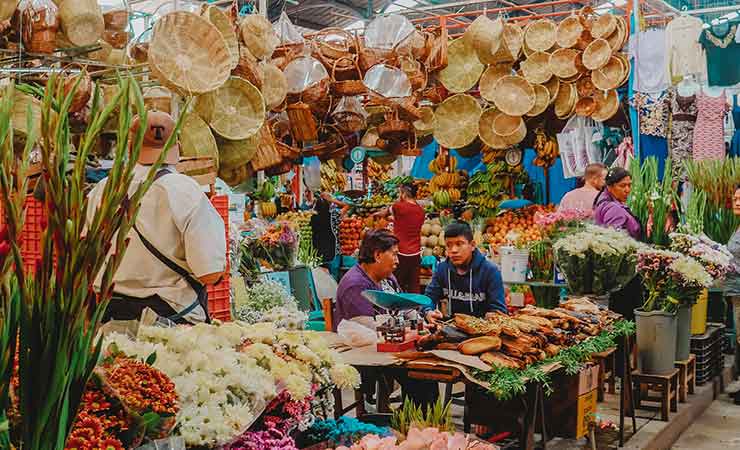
{"points": [[397, 333]]}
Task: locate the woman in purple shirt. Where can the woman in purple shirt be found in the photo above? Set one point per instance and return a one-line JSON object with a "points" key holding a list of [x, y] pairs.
{"points": [[610, 209]]}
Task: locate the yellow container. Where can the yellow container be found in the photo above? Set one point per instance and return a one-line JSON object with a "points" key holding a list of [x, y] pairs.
{"points": [[699, 313]]}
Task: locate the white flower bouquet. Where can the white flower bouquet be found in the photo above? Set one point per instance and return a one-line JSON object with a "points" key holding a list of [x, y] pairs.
{"points": [[715, 257]]}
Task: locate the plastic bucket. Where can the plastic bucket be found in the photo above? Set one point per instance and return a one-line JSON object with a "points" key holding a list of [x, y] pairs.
{"points": [[514, 264], [683, 333], [699, 313], [656, 341]]}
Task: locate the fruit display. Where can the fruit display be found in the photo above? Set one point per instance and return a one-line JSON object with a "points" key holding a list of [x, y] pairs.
{"points": [[490, 187], [447, 184], [268, 208], [299, 222], [333, 178], [432, 238], [391, 186], [517, 225], [373, 223], [350, 233], [373, 204], [547, 149], [377, 171]]}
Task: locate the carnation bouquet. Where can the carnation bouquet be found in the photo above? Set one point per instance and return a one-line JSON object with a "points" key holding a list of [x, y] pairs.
{"points": [[671, 279], [715, 257], [596, 260], [563, 221]]}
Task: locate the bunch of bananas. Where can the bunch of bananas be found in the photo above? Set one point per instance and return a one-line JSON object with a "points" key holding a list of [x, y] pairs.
{"points": [[333, 179], [377, 171], [447, 185], [490, 155], [546, 148], [268, 209]]}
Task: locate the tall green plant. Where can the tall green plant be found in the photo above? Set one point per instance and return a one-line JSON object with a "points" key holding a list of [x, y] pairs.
{"points": [[717, 180], [651, 199], [59, 311]]}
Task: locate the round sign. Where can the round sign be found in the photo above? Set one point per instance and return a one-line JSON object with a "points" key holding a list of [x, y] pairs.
{"points": [[514, 157], [357, 155]]}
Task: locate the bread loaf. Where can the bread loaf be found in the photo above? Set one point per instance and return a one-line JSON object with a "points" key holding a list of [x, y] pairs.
{"points": [[478, 345]]}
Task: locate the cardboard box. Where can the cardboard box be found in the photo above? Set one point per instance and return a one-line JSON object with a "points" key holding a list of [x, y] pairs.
{"points": [[588, 379], [585, 410]]}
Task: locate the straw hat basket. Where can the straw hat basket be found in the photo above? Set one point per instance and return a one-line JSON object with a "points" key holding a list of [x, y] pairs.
{"points": [[565, 102], [267, 154], [553, 87], [509, 128], [585, 106], [223, 23], [456, 121], [514, 95], [116, 19], [463, 67], [40, 29], [248, 68], [82, 21], [619, 37], [542, 100], [606, 106], [233, 154], [596, 54], [536, 68], [196, 138], [347, 87], [485, 129], [603, 26], [510, 46], [235, 111], [274, 87], [158, 98], [259, 37], [485, 36], [117, 39], [611, 76], [186, 65], [569, 32], [565, 62], [303, 126], [490, 77], [540, 35]]}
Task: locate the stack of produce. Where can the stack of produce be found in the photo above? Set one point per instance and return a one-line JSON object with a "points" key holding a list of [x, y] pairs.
{"points": [[373, 204], [300, 221], [488, 188], [266, 196], [517, 226], [547, 149], [432, 238], [333, 179], [378, 172], [447, 185], [350, 233], [391, 186], [373, 223]]}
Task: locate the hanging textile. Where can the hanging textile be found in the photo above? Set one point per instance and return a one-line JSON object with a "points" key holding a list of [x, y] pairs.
{"points": [[723, 54], [648, 49], [683, 119], [653, 117], [735, 143], [685, 53], [709, 133]]}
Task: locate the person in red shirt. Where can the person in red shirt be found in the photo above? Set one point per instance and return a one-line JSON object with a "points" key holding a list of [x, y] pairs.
{"points": [[408, 217]]}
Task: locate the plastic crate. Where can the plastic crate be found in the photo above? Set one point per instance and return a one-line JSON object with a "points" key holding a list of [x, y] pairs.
{"points": [[704, 341], [30, 239], [219, 295]]}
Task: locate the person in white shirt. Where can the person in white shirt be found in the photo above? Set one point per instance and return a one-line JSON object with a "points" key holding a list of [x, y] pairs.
{"points": [[583, 198], [177, 245]]}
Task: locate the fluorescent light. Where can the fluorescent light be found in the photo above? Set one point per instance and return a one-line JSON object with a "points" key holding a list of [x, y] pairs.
{"points": [[715, 22], [730, 16], [620, 2]]}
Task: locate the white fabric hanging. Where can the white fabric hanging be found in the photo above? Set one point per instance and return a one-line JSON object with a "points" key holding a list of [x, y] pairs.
{"points": [[684, 52], [648, 50]]}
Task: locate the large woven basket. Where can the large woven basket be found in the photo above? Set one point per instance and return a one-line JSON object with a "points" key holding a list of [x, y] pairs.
{"points": [[40, 28], [536, 68], [463, 67], [603, 26], [490, 77], [619, 37], [485, 128], [514, 95], [565, 62], [235, 111], [585, 86], [259, 36], [553, 87], [234, 176], [303, 126], [510, 46], [116, 19], [224, 25], [186, 65], [540, 35], [606, 106], [597, 54], [585, 106], [274, 86], [610, 76], [506, 126], [485, 35], [82, 21], [565, 102], [456, 121], [569, 32], [542, 100], [267, 154], [249, 68], [627, 66], [196, 138], [233, 154], [7, 9]]}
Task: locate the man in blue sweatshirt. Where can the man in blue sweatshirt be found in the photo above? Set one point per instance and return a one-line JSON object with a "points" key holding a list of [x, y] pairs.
{"points": [[467, 280]]}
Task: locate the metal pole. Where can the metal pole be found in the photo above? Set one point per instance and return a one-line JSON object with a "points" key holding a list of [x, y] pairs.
{"points": [[263, 7]]}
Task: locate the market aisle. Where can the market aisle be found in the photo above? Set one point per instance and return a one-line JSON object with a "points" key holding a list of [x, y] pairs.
{"points": [[717, 429]]}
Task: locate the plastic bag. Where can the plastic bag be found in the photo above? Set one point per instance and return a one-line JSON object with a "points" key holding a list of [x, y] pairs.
{"points": [[286, 31], [577, 137], [386, 32], [304, 72], [387, 81], [352, 105], [312, 173], [354, 334]]}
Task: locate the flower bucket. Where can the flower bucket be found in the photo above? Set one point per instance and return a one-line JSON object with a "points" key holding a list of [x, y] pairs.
{"points": [[683, 333], [656, 341], [699, 313], [514, 264]]}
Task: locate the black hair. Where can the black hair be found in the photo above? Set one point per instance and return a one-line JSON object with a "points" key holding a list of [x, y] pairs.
{"points": [[410, 189], [457, 229], [376, 241], [615, 175]]}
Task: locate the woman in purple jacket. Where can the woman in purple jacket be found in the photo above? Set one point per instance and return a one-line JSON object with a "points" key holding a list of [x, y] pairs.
{"points": [[610, 209]]}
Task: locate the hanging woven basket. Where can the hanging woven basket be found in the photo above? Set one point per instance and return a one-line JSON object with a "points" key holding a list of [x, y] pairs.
{"points": [[619, 37], [542, 100], [258, 35], [569, 32], [82, 21], [234, 154], [485, 35], [603, 26], [553, 87], [490, 77], [235, 111], [225, 26], [196, 138], [541, 35], [585, 106], [303, 126], [565, 102], [456, 121], [267, 154], [596, 55], [186, 65], [536, 68], [274, 86], [463, 67], [606, 106], [565, 62], [514, 95]]}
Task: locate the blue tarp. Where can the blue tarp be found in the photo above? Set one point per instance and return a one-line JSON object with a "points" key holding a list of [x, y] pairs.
{"points": [[421, 164]]}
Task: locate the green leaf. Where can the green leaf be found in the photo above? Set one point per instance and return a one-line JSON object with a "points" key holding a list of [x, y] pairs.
{"points": [[151, 359]]}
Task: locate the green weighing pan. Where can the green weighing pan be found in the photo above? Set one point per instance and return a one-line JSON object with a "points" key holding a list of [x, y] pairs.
{"points": [[396, 302]]}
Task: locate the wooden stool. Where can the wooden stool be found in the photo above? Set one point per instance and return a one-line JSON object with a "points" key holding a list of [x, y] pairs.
{"points": [[666, 385], [686, 377], [607, 361]]}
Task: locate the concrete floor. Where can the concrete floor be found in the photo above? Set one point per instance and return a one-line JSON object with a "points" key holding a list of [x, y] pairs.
{"points": [[717, 429]]}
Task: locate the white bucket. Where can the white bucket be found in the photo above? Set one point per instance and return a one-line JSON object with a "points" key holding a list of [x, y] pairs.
{"points": [[514, 264]]}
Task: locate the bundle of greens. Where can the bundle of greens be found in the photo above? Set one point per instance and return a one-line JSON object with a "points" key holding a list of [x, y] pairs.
{"points": [[652, 200], [717, 180], [410, 415]]}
